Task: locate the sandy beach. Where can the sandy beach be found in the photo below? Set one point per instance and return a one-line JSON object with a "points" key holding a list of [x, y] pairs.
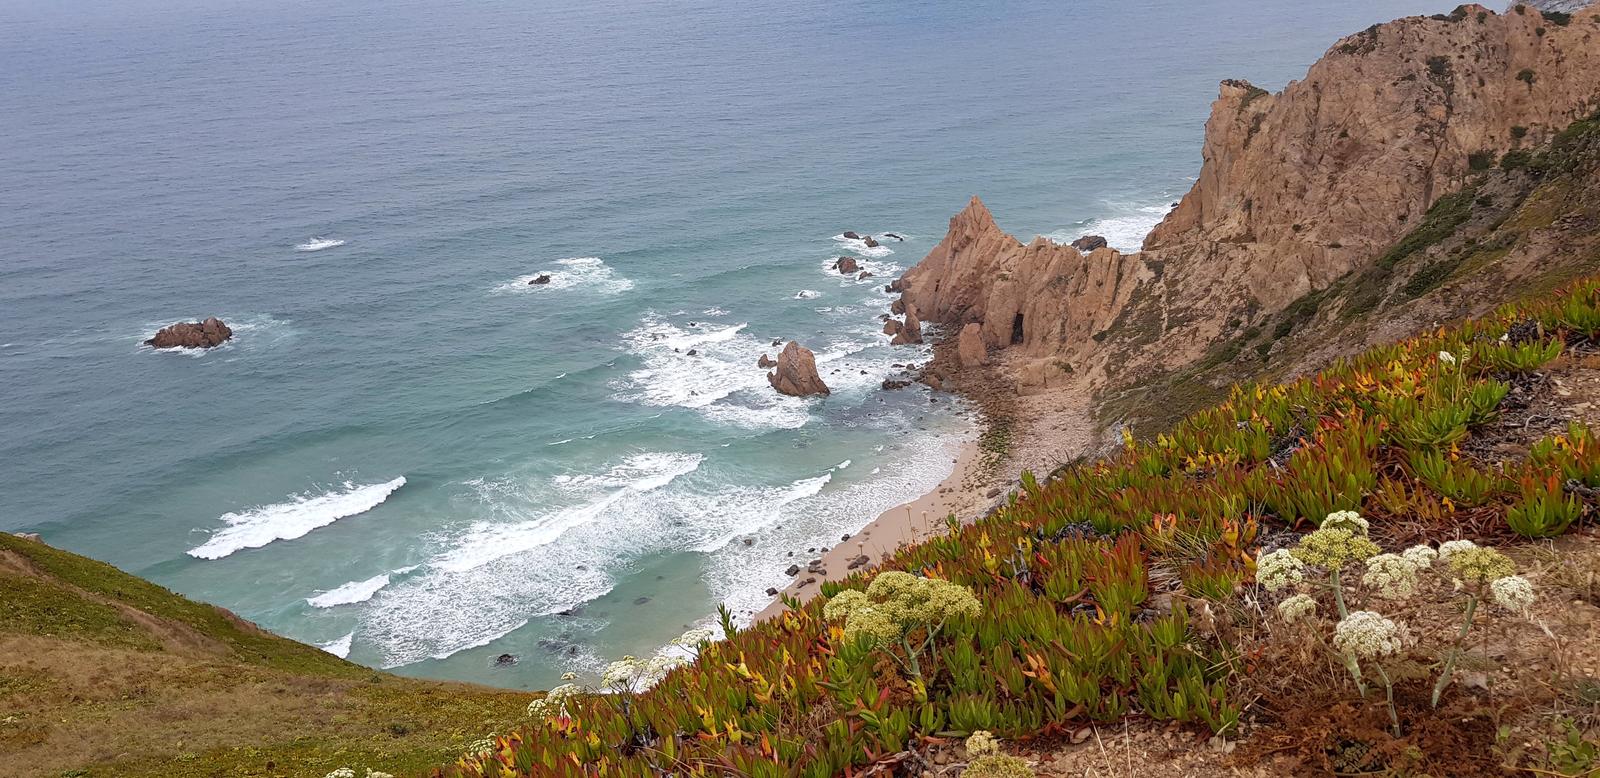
{"points": [[1041, 432]]}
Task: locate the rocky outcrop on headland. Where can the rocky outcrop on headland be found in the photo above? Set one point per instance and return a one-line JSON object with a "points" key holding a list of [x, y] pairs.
{"points": [[1089, 243], [1296, 190], [796, 373], [192, 334]]}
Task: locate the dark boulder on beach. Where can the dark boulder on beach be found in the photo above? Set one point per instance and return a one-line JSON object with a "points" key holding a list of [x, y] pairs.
{"points": [[793, 570], [540, 280], [192, 334], [1089, 243]]}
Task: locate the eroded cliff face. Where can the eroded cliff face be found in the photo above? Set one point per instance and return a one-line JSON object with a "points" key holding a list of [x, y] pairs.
{"points": [[1296, 190]]}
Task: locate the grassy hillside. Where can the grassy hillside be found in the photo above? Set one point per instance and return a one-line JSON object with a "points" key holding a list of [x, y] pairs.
{"points": [[105, 674]]}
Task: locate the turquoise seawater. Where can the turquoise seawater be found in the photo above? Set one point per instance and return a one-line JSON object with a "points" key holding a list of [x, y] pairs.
{"points": [[408, 452]]}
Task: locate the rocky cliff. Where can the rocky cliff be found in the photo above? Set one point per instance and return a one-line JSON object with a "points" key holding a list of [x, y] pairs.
{"points": [[1296, 191]]}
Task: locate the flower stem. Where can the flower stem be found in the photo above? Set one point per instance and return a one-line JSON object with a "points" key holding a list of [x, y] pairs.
{"points": [[1388, 687], [1455, 650], [1338, 593]]}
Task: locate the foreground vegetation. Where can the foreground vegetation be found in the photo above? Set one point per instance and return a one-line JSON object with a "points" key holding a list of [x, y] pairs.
{"points": [[1094, 594], [105, 674]]}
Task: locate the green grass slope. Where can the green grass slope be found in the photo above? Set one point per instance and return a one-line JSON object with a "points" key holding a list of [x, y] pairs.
{"points": [[105, 674]]}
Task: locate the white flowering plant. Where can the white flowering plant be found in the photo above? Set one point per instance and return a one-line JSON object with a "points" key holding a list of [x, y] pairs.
{"points": [[895, 605], [1341, 562]]}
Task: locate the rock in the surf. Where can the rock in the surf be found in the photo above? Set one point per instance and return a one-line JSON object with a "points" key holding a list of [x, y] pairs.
{"points": [[892, 235], [766, 362], [1089, 243], [540, 280], [891, 327], [796, 373], [846, 265], [871, 244], [864, 275], [910, 331], [192, 334], [848, 235]]}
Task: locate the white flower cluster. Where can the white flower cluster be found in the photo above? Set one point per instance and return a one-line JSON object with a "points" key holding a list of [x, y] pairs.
{"points": [[1298, 607], [1279, 570], [693, 638], [1349, 520], [1447, 358], [1391, 576], [982, 742], [1513, 592], [1421, 556], [1452, 546], [554, 702], [346, 772], [631, 674], [483, 745], [1367, 635]]}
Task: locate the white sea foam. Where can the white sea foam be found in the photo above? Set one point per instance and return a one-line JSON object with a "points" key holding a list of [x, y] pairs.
{"points": [[860, 247], [339, 648], [481, 640], [570, 273], [350, 593], [842, 465], [772, 507], [256, 527], [488, 541], [807, 294], [1124, 230], [318, 244]]}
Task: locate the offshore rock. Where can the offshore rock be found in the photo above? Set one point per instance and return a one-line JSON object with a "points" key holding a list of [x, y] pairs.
{"points": [[796, 373], [192, 334], [846, 265]]}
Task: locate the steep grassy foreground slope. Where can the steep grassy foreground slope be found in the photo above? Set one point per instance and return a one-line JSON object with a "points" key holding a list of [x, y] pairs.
{"points": [[1097, 594], [105, 674]]}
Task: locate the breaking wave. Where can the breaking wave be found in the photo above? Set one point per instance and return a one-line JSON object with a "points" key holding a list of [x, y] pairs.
{"points": [[571, 273], [259, 526]]}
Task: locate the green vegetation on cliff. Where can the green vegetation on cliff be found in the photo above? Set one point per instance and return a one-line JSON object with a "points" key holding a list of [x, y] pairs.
{"points": [[1095, 595], [106, 674]]}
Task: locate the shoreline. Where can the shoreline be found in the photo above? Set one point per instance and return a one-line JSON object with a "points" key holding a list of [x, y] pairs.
{"points": [[1039, 432], [959, 493]]}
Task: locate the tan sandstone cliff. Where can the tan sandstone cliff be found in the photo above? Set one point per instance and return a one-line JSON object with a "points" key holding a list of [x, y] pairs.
{"points": [[1296, 190]]}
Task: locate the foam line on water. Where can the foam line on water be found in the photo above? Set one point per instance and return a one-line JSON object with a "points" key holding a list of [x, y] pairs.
{"points": [[339, 647], [754, 522], [571, 273], [488, 541], [350, 593], [319, 244], [256, 527]]}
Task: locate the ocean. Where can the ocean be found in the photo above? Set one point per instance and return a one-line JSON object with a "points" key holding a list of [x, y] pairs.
{"points": [[411, 456]]}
